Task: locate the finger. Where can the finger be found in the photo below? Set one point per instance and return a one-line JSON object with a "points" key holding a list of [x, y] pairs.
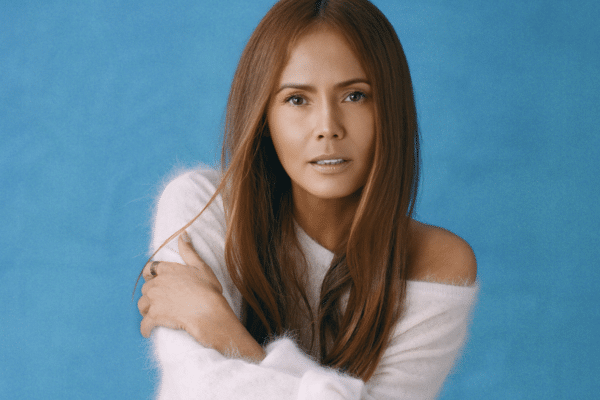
{"points": [[143, 305], [147, 286], [187, 251], [148, 324], [150, 270], [190, 257], [146, 327]]}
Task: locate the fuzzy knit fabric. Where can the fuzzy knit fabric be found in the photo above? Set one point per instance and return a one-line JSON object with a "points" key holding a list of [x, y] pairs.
{"points": [[425, 344]]}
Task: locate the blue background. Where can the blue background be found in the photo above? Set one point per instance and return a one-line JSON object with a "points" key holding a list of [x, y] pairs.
{"points": [[101, 100]]}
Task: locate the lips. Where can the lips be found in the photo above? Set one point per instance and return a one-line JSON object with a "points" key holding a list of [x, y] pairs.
{"points": [[330, 162], [329, 159]]}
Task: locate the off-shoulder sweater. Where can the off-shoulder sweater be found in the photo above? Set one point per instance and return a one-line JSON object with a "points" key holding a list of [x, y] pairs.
{"points": [[425, 343]]}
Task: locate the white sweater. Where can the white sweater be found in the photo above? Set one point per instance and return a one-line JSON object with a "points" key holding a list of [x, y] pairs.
{"points": [[425, 344]]}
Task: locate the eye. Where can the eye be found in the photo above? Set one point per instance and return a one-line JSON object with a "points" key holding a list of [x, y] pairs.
{"points": [[355, 97], [296, 100]]}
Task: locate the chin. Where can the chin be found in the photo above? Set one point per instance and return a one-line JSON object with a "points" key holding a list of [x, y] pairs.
{"points": [[332, 193]]}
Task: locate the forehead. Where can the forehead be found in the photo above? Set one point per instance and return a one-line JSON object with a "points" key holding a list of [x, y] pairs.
{"points": [[322, 55]]}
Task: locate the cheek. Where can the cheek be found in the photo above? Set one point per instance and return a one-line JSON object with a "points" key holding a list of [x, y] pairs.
{"points": [[288, 150], [285, 137], [363, 127]]}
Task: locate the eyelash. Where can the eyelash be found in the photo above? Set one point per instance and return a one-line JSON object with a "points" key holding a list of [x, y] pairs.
{"points": [[294, 96], [362, 95]]}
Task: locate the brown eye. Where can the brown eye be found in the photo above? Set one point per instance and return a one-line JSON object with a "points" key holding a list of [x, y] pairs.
{"points": [[295, 100], [355, 97]]}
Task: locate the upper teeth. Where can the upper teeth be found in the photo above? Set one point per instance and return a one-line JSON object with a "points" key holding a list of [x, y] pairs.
{"points": [[336, 161]]}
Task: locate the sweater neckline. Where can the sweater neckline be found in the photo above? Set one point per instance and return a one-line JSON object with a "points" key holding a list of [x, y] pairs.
{"points": [[325, 256], [310, 245]]}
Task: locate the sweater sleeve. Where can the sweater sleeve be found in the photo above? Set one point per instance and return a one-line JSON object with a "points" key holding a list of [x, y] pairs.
{"points": [[190, 371], [426, 343]]}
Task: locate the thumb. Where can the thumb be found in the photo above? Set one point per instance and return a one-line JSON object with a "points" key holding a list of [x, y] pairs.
{"points": [[187, 251], [191, 258]]}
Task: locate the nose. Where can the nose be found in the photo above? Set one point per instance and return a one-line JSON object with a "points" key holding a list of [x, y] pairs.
{"points": [[328, 122]]}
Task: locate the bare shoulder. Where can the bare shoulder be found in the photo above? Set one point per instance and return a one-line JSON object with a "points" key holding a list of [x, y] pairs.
{"points": [[439, 255]]}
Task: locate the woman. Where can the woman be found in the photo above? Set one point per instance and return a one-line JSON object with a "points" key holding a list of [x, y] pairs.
{"points": [[305, 276]]}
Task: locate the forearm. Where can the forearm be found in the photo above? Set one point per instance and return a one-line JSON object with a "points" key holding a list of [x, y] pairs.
{"points": [[192, 371]]}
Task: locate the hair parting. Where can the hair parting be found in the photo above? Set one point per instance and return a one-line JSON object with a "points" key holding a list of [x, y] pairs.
{"points": [[320, 5]]}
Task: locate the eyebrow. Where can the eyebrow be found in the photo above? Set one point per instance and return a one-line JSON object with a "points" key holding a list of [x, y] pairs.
{"points": [[310, 88]]}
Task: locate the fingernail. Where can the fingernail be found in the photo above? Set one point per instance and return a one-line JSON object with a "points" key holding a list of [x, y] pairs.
{"points": [[185, 237]]}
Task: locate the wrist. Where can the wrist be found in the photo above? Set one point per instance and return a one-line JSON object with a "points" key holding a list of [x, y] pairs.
{"points": [[249, 348], [241, 344], [216, 326], [209, 323]]}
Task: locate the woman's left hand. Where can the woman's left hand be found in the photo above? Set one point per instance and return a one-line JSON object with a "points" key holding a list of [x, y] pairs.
{"points": [[189, 297]]}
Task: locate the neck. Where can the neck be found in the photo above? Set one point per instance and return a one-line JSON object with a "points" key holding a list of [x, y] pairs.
{"points": [[327, 221]]}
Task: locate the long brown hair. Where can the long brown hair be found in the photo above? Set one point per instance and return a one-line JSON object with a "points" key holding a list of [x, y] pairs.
{"points": [[261, 250]]}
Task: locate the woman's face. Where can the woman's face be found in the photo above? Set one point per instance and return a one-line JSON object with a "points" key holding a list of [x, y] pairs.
{"points": [[322, 118]]}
